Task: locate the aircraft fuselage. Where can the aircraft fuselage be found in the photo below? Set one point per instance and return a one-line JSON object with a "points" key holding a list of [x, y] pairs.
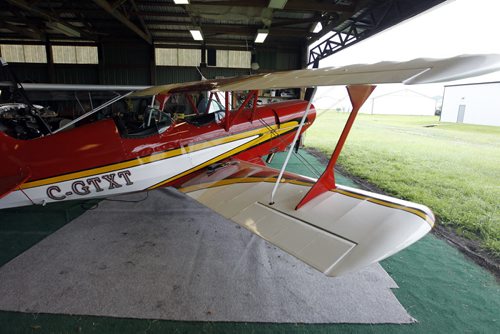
{"points": [[96, 160]]}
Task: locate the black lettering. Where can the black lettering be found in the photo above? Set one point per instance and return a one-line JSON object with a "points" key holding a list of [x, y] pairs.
{"points": [[125, 175], [50, 193], [95, 182], [111, 179], [84, 190]]}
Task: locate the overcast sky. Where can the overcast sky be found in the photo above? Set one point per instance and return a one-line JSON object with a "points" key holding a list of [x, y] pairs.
{"points": [[453, 28]]}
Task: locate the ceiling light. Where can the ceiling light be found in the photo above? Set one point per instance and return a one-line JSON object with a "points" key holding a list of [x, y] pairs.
{"points": [[62, 28], [196, 33], [181, 2], [277, 4], [261, 35], [317, 27]]}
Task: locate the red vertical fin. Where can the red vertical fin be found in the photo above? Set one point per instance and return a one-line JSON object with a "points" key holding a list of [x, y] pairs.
{"points": [[191, 103], [228, 113], [217, 97], [242, 107], [358, 95], [209, 103]]}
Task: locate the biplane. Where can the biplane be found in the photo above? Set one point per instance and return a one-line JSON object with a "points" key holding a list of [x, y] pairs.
{"points": [[215, 154]]}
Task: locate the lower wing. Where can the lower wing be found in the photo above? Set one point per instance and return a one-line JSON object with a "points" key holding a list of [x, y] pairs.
{"points": [[340, 231]]}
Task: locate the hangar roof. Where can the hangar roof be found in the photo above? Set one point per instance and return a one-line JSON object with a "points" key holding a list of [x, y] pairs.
{"points": [[224, 24]]}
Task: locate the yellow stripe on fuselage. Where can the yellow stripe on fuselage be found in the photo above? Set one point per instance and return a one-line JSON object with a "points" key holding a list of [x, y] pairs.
{"points": [[262, 132], [262, 138]]}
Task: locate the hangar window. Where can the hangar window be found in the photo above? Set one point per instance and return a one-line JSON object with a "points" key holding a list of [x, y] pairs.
{"points": [[234, 59], [16, 53], [177, 57], [71, 54]]}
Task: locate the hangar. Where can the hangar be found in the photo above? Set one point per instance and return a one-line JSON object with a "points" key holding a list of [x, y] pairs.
{"points": [[142, 43], [400, 102], [476, 103], [149, 42]]}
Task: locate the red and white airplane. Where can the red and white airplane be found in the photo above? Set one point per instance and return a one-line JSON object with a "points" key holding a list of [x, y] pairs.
{"points": [[216, 158]]}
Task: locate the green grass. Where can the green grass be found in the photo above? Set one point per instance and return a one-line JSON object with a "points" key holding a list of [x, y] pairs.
{"points": [[452, 168]]}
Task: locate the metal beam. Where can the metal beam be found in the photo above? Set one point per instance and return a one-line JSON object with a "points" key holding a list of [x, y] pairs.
{"points": [[166, 16], [291, 5], [136, 10], [235, 29], [232, 3], [221, 44], [118, 3], [373, 20], [123, 19], [240, 30], [28, 7], [23, 30], [283, 23], [334, 20], [328, 27], [319, 6], [168, 23]]}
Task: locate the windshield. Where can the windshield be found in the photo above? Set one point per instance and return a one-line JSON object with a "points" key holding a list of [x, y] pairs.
{"points": [[215, 106], [155, 117]]}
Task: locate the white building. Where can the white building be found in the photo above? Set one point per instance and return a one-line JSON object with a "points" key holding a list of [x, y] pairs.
{"points": [[389, 99], [400, 102], [477, 103]]}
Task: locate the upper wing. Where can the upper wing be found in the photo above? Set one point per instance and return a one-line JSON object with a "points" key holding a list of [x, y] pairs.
{"points": [[417, 71], [73, 87], [340, 231]]}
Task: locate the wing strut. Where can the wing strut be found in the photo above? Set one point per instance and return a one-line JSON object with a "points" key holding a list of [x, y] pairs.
{"points": [[358, 95], [93, 111], [292, 145]]}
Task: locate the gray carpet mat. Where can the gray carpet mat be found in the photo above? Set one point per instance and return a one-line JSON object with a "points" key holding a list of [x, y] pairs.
{"points": [[168, 257]]}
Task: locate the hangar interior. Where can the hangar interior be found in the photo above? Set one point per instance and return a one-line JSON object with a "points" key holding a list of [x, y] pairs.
{"points": [[143, 43], [139, 42]]}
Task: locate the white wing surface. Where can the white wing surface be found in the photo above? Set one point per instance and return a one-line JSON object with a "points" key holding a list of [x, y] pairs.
{"points": [[337, 232], [417, 71]]}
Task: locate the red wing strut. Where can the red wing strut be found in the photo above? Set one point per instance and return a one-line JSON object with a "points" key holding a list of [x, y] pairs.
{"points": [[358, 95]]}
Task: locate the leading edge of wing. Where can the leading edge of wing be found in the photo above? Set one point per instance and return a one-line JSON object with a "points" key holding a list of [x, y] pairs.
{"points": [[417, 71], [340, 231], [74, 87]]}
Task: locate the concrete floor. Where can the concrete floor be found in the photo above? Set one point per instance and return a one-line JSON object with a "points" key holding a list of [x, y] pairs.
{"points": [[443, 290]]}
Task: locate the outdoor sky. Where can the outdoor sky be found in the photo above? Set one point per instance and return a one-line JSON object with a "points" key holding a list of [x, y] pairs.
{"points": [[453, 28]]}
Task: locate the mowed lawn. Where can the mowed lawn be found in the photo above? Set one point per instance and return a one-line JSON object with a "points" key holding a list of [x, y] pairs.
{"points": [[452, 168]]}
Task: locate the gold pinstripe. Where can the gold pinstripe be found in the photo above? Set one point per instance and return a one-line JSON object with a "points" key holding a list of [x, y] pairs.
{"points": [[388, 204], [256, 141], [226, 182], [264, 134], [220, 183]]}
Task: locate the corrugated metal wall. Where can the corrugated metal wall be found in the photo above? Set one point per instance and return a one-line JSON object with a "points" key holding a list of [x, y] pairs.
{"points": [[125, 64], [27, 72], [76, 74], [171, 74], [280, 60]]}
